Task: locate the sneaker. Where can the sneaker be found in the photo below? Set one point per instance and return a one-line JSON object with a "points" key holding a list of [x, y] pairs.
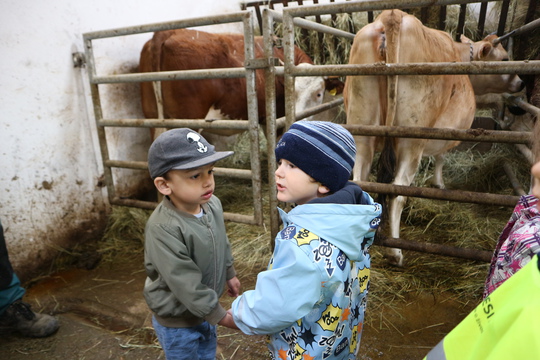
{"points": [[19, 317]]}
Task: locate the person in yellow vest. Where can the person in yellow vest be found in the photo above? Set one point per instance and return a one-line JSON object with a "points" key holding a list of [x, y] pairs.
{"points": [[505, 324]]}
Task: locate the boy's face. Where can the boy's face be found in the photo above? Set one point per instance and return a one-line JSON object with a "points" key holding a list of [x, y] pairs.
{"points": [[295, 186], [188, 189], [535, 171]]}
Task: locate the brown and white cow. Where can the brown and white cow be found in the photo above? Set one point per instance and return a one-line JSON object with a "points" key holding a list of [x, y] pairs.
{"points": [[216, 99], [438, 101]]}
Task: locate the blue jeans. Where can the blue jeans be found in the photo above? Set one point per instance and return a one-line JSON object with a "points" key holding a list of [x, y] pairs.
{"points": [[191, 343]]}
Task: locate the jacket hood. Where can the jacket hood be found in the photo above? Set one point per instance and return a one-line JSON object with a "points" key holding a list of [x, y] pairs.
{"points": [[350, 227]]}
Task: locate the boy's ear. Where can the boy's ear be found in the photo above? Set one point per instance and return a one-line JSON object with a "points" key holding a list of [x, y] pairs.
{"points": [[323, 190], [162, 185]]}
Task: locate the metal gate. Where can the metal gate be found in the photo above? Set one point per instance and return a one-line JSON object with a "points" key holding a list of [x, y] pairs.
{"points": [[251, 124]]}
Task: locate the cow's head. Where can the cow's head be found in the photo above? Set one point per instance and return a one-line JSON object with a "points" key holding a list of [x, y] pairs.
{"points": [[488, 50], [309, 90]]}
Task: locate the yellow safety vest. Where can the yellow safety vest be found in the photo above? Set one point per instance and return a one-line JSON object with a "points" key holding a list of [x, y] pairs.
{"points": [[506, 324]]}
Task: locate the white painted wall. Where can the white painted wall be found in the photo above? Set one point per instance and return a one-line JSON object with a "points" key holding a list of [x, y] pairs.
{"points": [[50, 161]]}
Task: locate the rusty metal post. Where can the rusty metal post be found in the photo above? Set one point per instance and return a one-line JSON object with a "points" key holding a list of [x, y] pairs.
{"points": [[98, 115], [271, 130], [288, 43], [253, 116]]}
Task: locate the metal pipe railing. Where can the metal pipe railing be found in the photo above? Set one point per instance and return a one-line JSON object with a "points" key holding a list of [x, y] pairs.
{"points": [[357, 6], [311, 25], [478, 135], [443, 68], [437, 249], [440, 194], [167, 25], [240, 125], [170, 75], [519, 31]]}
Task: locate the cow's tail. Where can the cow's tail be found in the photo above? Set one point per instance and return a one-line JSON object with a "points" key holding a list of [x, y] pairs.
{"points": [[390, 50]]}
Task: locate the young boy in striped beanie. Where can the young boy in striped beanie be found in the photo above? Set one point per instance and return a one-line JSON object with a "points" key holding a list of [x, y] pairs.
{"points": [[311, 299]]}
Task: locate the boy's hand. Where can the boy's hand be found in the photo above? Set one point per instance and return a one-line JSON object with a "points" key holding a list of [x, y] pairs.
{"points": [[233, 287], [228, 320]]}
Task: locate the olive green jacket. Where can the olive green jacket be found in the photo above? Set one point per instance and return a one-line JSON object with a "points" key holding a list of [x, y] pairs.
{"points": [[188, 261]]}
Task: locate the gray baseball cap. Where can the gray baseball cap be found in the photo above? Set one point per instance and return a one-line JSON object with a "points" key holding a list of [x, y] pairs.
{"points": [[181, 149]]}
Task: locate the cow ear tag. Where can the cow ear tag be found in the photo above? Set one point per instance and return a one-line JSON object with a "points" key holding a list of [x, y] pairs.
{"points": [[333, 92]]}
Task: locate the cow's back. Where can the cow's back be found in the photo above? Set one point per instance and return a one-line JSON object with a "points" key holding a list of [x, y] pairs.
{"points": [[186, 49], [407, 100]]}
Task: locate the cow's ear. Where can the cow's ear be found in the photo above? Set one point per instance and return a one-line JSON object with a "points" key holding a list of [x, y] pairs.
{"points": [[465, 39], [333, 85], [485, 49]]}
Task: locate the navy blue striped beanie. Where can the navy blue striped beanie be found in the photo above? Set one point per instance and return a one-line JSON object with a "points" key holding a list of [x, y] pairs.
{"points": [[323, 150]]}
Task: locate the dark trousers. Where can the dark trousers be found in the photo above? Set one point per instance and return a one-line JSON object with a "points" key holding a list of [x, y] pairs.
{"points": [[10, 286]]}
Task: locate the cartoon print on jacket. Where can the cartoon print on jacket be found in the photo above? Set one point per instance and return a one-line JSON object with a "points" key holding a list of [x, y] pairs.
{"points": [[334, 328]]}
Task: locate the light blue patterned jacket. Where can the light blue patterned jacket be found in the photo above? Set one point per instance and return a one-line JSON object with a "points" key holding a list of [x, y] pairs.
{"points": [[311, 299]]}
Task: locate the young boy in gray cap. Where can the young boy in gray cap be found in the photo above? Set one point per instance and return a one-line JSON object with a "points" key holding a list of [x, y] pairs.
{"points": [[311, 299], [187, 253]]}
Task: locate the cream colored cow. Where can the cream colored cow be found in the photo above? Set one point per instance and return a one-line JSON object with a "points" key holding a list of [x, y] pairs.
{"points": [[437, 101]]}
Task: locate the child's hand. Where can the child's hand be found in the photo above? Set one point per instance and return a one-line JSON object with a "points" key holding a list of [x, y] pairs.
{"points": [[233, 287], [228, 321]]}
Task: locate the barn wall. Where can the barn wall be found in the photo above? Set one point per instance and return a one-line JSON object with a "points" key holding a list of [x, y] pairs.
{"points": [[51, 165]]}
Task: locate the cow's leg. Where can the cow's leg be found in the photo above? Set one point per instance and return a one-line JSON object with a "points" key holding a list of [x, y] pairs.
{"points": [[408, 156], [159, 104], [363, 108], [365, 148], [437, 179]]}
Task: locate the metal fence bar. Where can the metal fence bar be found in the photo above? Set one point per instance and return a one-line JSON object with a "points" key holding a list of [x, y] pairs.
{"points": [[531, 109], [170, 75], [519, 31], [245, 219], [475, 67], [174, 123], [430, 248], [440, 194], [357, 6], [318, 109], [143, 165], [169, 25], [478, 135], [310, 25]]}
